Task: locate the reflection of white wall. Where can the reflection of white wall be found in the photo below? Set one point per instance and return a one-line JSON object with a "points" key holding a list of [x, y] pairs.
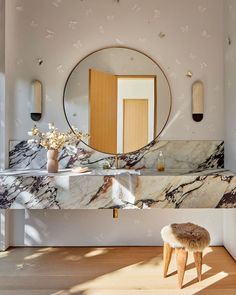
{"points": [[134, 89], [80, 114]]}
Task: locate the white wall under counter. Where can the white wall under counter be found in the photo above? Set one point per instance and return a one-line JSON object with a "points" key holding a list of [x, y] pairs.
{"points": [[229, 232], [4, 229], [98, 228]]}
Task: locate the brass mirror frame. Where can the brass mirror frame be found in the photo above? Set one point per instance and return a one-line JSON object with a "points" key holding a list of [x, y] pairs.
{"points": [[124, 47]]}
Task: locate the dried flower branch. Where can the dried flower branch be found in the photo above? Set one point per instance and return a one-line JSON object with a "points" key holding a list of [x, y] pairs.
{"points": [[54, 139]]}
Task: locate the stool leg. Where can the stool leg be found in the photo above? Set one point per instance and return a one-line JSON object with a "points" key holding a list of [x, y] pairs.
{"points": [[198, 264], [181, 258], [167, 253]]}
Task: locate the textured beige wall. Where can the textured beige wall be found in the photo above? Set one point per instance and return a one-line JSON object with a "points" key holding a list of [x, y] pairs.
{"points": [[3, 145], [62, 32], [230, 116], [230, 85], [4, 220]]}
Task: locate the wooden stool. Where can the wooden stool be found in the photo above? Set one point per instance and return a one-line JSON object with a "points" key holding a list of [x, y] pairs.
{"points": [[184, 237]]}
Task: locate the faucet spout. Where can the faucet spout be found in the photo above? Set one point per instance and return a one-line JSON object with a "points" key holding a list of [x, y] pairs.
{"points": [[115, 212], [116, 162]]}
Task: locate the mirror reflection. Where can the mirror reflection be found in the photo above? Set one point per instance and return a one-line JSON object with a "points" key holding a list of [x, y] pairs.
{"points": [[119, 96]]}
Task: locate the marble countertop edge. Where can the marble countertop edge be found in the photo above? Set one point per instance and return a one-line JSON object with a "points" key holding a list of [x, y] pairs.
{"points": [[101, 172]]}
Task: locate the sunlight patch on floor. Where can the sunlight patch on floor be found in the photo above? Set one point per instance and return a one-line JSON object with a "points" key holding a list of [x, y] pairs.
{"points": [[47, 250], [3, 254], [96, 252], [33, 256], [209, 281]]}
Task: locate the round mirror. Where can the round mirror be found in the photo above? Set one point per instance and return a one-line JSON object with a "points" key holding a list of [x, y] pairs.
{"points": [[120, 97]]}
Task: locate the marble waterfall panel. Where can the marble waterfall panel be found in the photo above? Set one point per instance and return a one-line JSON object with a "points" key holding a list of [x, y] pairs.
{"points": [[192, 155]]}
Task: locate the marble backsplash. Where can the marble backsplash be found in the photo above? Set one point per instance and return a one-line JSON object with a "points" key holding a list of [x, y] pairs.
{"points": [[192, 155]]}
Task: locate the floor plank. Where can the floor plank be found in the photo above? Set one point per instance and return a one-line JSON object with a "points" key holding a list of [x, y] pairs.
{"points": [[110, 270]]}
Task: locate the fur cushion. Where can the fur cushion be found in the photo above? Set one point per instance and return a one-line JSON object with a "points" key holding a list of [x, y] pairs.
{"points": [[186, 235]]}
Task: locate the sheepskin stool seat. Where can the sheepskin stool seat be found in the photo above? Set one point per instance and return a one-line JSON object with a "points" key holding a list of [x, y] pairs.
{"points": [[184, 237]]}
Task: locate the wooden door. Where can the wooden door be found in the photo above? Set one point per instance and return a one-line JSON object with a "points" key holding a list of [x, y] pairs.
{"points": [[135, 124], [103, 111]]}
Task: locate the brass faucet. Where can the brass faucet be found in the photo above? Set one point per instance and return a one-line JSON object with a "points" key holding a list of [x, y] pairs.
{"points": [[115, 212], [116, 161]]}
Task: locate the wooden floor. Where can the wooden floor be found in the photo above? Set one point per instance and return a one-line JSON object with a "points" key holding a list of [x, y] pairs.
{"points": [[108, 271]]}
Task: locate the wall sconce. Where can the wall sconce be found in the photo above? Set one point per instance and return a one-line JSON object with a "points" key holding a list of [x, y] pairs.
{"points": [[197, 101], [36, 100]]}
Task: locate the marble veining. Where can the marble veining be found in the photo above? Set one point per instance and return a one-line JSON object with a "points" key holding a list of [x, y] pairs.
{"points": [[34, 192], [190, 155], [67, 190], [194, 178]]}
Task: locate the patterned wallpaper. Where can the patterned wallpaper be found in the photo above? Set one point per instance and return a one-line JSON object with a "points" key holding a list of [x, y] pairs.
{"points": [[46, 38]]}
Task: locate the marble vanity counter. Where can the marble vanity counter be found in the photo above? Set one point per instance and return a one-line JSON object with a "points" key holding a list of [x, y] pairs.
{"points": [[174, 188], [112, 172]]}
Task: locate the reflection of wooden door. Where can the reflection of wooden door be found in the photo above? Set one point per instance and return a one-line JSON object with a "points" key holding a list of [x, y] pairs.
{"points": [[135, 124], [103, 111]]}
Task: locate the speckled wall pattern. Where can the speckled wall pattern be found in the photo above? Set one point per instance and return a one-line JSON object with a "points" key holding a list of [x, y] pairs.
{"points": [[172, 37]]}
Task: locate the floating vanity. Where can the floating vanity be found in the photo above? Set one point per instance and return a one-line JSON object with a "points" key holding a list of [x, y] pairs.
{"points": [[124, 189]]}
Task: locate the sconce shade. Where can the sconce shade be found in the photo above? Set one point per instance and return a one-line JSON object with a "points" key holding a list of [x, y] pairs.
{"points": [[36, 100], [197, 101]]}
